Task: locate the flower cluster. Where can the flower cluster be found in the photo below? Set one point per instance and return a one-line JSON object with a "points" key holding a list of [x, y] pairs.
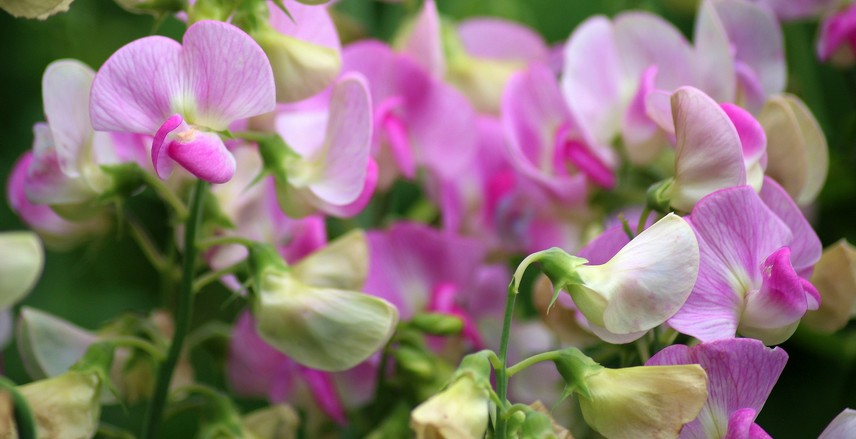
{"points": [[366, 206]]}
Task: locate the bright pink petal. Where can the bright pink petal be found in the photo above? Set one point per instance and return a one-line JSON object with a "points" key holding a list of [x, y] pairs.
{"points": [[323, 390], [750, 131], [495, 38], [709, 154], [203, 154], [65, 91], [160, 146], [836, 31], [424, 43], [805, 245], [741, 373], [227, 75], [736, 232], [591, 78], [781, 301], [134, 89]]}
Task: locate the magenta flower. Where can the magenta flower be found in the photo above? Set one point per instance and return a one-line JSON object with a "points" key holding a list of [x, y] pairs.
{"points": [[755, 261], [412, 126], [741, 373], [838, 35], [546, 141], [718, 146], [417, 269], [184, 94], [331, 134]]}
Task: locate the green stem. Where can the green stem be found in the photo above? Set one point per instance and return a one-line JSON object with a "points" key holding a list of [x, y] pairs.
{"points": [[141, 237], [643, 218], [544, 356], [213, 276], [224, 240], [502, 371], [168, 196], [183, 314], [23, 414]]}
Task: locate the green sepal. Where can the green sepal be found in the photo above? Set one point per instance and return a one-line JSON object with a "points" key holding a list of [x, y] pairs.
{"points": [[658, 197], [537, 426], [559, 266], [127, 180], [98, 359], [574, 367]]}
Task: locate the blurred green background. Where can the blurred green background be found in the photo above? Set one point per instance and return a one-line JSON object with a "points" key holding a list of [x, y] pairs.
{"points": [[90, 285]]}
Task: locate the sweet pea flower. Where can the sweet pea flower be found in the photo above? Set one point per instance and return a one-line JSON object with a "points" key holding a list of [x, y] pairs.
{"points": [[797, 153], [412, 127], [634, 54], [546, 141], [477, 56], [741, 373], [744, 40], [57, 232], [718, 146], [420, 269], [21, 261], [219, 75], [640, 287], [756, 255], [40, 9], [67, 153], [837, 40], [332, 170]]}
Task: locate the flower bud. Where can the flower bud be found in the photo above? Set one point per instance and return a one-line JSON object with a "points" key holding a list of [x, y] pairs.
{"points": [[301, 69], [40, 9], [797, 153], [646, 401], [21, 262], [835, 279], [437, 324], [460, 410], [323, 328], [66, 406]]}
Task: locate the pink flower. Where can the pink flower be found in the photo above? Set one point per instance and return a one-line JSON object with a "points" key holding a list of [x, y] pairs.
{"points": [[184, 94], [741, 373], [838, 36], [756, 255]]}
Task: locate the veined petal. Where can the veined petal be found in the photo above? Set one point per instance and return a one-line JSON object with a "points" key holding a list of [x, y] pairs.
{"points": [[134, 89], [648, 280], [65, 92], [217, 53], [709, 154], [805, 245], [735, 232], [741, 373]]}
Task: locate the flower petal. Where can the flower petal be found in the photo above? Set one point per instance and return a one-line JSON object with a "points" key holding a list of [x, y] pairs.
{"points": [[714, 60], [65, 92], [21, 262], [805, 245], [645, 40], [203, 154], [709, 153], [134, 89], [423, 42], [495, 38], [217, 53], [840, 427]]}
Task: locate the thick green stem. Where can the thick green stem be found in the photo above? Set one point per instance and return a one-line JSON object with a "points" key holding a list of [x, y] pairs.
{"points": [[183, 314], [502, 371], [538, 358]]}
